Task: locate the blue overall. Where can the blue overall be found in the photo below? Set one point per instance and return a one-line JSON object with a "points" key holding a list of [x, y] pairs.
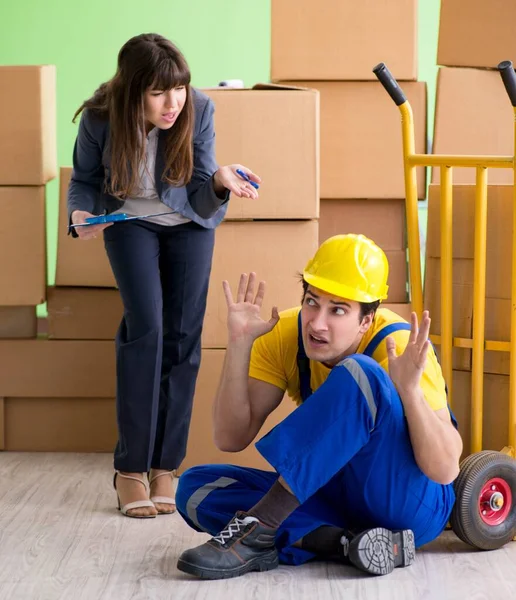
{"points": [[345, 453]]}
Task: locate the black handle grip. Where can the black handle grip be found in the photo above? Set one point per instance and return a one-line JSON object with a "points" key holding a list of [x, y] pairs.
{"points": [[509, 79], [390, 84]]}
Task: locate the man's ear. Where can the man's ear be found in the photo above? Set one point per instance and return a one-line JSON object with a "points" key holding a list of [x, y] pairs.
{"points": [[367, 321]]}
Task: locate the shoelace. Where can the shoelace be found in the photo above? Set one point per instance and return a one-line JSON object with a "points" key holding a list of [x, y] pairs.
{"points": [[234, 527]]}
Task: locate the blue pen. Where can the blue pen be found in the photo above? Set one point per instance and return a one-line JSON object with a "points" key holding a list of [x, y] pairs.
{"points": [[246, 177]]}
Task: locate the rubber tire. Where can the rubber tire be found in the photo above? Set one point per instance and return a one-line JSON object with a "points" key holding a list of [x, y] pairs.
{"points": [[465, 468], [475, 471]]}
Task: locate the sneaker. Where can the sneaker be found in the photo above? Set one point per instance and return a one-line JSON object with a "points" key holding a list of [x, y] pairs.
{"points": [[244, 545], [379, 551]]}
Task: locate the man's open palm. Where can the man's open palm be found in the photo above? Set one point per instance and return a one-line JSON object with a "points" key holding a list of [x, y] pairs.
{"points": [[244, 319], [407, 368]]}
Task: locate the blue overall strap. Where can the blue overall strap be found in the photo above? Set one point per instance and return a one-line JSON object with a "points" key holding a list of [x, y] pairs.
{"points": [[382, 334], [303, 364]]}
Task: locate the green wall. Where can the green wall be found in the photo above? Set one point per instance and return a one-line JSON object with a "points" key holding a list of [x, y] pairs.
{"points": [[427, 33], [221, 39]]}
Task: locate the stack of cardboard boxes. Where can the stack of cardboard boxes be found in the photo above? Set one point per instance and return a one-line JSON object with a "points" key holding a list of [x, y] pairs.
{"points": [[28, 150], [333, 47], [474, 116]]}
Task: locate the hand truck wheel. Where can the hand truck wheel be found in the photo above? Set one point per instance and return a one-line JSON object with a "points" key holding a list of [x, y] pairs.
{"points": [[484, 515]]}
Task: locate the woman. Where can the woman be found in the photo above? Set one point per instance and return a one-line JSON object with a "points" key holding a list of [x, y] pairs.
{"points": [[146, 146]]}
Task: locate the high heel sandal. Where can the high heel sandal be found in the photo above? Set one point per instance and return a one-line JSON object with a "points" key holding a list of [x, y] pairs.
{"points": [[164, 499], [137, 503]]}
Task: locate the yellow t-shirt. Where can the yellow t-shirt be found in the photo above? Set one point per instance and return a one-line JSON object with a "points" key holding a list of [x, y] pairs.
{"points": [[274, 357]]}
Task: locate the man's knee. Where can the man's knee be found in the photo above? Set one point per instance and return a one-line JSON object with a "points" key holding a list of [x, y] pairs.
{"points": [[370, 377], [189, 482], [197, 483]]}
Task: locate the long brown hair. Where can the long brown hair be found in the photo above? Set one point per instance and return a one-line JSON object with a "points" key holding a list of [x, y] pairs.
{"points": [[147, 61]]}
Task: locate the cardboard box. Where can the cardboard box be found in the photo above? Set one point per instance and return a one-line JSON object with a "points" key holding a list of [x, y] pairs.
{"points": [[23, 253], [497, 315], [403, 310], [60, 424], [83, 313], [275, 132], [2, 424], [473, 116], [79, 262], [476, 33], [499, 221], [398, 276], [342, 39], [42, 326], [18, 322], [361, 143], [28, 131], [201, 448], [498, 329], [462, 316], [383, 221], [276, 250], [499, 233], [496, 410], [57, 369]]}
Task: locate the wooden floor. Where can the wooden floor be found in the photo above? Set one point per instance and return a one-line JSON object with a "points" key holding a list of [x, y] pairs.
{"points": [[61, 538]]}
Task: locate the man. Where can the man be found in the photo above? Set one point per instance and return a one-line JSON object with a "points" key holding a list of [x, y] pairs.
{"points": [[363, 466]]}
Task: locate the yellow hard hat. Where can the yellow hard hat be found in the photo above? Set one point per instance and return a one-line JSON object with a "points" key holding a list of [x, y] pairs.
{"points": [[349, 266]]}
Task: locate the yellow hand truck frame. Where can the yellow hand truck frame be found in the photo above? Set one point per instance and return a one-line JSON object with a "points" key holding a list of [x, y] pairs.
{"points": [[484, 514]]}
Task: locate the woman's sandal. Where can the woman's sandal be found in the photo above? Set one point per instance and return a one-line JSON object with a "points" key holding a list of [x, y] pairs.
{"points": [[164, 499], [132, 505]]}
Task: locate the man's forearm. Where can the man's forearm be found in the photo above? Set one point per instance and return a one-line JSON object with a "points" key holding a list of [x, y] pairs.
{"points": [[231, 408], [436, 443]]}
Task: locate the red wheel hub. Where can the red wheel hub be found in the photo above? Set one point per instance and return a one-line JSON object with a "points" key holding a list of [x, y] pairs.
{"points": [[495, 501]]}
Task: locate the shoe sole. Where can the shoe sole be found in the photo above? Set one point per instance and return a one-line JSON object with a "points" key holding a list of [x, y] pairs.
{"points": [[265, 562], [379, 551]]}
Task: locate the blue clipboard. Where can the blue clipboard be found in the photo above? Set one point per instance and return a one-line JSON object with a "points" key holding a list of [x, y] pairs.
{"points": [[116, 218]]}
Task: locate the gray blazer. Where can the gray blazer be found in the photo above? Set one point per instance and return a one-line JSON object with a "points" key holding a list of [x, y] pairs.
{"points": [[91, 162]]}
